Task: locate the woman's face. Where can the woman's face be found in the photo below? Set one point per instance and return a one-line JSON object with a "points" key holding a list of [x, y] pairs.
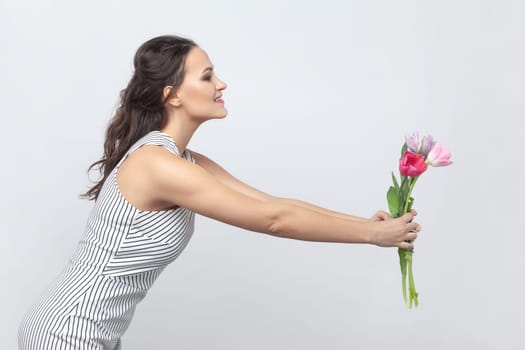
{"points": [[199, 95]]}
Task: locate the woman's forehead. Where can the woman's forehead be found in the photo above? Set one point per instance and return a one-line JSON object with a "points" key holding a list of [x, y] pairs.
{"points": [[197, 60]]}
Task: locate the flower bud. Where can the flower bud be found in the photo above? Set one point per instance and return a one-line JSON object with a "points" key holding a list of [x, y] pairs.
{"points": [[438, 156], [412, 164]]}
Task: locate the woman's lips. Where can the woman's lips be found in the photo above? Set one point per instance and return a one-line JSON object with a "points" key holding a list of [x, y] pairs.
{"points": [[219, 101]]}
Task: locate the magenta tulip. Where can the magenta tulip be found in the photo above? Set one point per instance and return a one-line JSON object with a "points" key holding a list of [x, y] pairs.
{"points": [[412, 164], [438, 156]]}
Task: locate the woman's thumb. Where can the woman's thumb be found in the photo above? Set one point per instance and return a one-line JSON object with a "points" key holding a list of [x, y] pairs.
{"points": [[409, 216]]}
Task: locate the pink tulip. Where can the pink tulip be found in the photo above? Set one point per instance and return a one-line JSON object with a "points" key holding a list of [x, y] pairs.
{"points": [[438, 156], [419, 145], [412, 164]]}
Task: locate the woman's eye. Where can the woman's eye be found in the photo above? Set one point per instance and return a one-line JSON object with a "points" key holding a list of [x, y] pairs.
{"points": [[207, 77]]}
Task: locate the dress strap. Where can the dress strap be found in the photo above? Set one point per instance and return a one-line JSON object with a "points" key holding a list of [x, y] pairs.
{"points": [[157, 138]]}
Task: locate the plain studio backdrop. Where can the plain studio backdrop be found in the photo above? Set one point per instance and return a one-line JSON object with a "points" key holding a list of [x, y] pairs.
{"points": [[320, 95]]}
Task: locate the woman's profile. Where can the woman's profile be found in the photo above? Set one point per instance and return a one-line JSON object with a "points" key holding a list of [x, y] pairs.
{"points": [[151, 187]]}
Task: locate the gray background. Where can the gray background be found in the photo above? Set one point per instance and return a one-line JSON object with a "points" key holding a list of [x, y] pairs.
{"points": [[320, 96]]}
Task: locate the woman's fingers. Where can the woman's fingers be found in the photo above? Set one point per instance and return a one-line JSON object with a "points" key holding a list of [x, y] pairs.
{"points": [[401, 231], [381, 216], [406, 245], [408, 217], [384, 215], [413, 226], [411, 231], [411, 236], [408, 242]]}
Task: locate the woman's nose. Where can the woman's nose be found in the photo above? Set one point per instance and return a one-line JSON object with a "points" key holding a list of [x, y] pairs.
{"points": [[221, 85]]}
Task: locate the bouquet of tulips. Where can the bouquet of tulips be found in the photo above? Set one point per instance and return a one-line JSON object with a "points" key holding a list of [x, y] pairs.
{"points": [[416, 155]]}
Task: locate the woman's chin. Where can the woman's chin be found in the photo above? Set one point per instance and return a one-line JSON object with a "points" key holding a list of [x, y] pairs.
{"points": [[222, 115], [214, 116]]}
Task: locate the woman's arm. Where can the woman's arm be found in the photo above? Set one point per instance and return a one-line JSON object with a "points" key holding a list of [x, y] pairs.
{"points": [[229, 180], [173, 179]]}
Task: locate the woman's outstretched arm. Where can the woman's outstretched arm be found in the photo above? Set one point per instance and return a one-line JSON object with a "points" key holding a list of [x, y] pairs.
{"points": [[229, 180], [175, 180]]}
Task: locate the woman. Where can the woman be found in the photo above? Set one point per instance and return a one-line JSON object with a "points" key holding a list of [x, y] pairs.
{"points": [[152, 186]]}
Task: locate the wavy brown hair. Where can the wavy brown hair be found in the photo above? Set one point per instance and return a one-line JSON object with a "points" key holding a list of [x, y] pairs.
{"points": [[158, 62]]}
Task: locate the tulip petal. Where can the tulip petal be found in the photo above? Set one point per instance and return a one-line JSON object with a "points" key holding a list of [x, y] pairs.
{"points": [[438, 156], [426, 144], [412, 141]]}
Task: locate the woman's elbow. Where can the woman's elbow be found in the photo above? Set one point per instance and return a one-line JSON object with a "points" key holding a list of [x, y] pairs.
{"points": [[277, 224]]}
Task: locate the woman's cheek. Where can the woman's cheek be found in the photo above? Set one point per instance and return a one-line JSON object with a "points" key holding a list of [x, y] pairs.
{"points": [[201, 107]]}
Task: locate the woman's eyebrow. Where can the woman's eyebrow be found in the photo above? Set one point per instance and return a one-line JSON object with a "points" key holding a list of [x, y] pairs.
{"points": [[207, 68]]}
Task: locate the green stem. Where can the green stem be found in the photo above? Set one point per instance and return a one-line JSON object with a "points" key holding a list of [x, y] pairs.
{"points": [[403, 264], [401, 194], [406, 258], [412, 182], [411, 285]]}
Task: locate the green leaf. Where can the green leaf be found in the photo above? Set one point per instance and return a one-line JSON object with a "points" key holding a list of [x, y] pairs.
{"points": [[392, 197], [403, 150], [394, 179], [404, 188]]}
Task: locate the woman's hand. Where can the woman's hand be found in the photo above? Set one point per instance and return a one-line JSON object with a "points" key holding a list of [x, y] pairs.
{"points": [[395, 232], [381, 216]]}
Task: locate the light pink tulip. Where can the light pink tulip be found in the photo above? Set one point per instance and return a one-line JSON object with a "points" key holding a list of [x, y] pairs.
{"points": [[438, 156]]}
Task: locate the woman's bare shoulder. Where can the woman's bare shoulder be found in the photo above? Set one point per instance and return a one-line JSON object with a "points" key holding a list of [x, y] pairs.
{"points": [[135, 173]]}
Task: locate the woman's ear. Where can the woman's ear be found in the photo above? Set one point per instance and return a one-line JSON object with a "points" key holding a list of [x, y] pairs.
{"points": [[171, 97]]}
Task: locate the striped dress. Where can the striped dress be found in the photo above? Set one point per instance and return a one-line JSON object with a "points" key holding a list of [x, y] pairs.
{"points": [[122, 252]]}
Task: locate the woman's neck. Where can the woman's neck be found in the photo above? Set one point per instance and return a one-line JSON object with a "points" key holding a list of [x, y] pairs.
{"points": [[181, 130]]}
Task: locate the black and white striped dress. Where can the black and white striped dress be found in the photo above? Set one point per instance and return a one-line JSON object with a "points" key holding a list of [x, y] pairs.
{"points": [[122, 252]]}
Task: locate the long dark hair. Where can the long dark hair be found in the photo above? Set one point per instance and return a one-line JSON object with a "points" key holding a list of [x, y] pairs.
{"points": [[159, 62]]}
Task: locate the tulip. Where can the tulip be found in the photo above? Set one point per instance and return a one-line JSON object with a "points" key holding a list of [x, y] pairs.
{"points": [[438, 156], [417, 145], [412, 164], [412, 141], [417, 155], [426, 145]]}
